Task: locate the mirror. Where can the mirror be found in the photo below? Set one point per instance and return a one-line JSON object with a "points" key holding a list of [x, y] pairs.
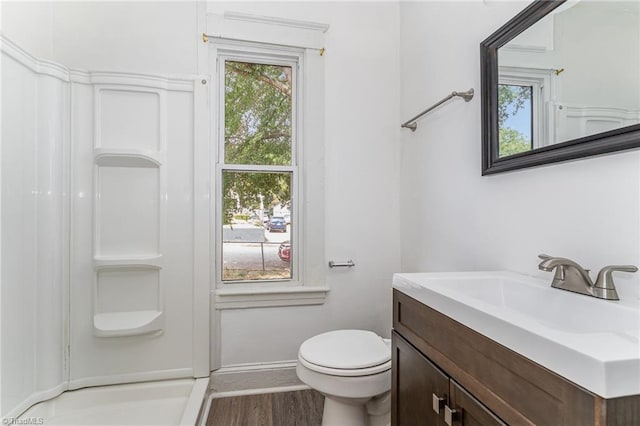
{"points": [[561, 81]]}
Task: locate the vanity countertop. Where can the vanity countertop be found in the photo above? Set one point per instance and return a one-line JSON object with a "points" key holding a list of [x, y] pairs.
{"points": [[592, 342]]}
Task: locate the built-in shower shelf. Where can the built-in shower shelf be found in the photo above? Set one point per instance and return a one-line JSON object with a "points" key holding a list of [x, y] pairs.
{"points": [[141, 262], [117, 324], [126, 158]]}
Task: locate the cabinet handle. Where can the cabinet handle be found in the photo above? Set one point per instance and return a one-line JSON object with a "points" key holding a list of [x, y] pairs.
{"points": [[450, 415], [438, 402]]}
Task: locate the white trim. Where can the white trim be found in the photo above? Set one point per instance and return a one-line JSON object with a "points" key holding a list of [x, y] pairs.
{"points": [[622, 115], [261, 19], [182, 83], [266, 30], [521, 48], [259, 366], [178, 83], [53, 69], [194, 403], [259, 391], [201, 229], [256, 168], [215, 344], [543, 93], [572, 119], [261, 297], [39, 66], [258, 54]]}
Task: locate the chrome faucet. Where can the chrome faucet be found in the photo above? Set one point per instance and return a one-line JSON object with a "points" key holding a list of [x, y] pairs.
{"points": [[572, 277]]}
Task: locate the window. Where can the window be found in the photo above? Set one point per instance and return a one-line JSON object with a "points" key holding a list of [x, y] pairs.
{"points": [[268, 161], [257, 167], [524, 102]]}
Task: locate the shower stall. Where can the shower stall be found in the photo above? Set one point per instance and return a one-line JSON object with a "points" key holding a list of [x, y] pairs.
{"points": [[98, 194]]}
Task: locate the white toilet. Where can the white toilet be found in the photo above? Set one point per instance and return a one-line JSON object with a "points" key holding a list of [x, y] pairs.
{"points": [[352, 369]]}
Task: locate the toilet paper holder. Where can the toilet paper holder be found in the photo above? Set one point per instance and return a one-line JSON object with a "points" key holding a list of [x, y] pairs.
{"points": [[346, 264]]}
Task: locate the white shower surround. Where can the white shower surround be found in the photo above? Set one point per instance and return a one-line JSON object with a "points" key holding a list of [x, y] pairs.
{"points": [[57, 176]]}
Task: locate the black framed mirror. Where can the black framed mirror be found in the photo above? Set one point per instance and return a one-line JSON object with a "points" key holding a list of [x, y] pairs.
{"points": [[561, 81]]}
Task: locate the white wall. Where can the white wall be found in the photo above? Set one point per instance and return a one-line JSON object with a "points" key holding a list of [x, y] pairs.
{"points": [[30, 25], [156, 37], [454, 219], [34, 234], [33, 215], [361, 182]]}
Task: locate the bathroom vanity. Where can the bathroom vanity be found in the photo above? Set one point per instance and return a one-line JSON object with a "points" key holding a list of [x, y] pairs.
{"points": [[490, 364]]}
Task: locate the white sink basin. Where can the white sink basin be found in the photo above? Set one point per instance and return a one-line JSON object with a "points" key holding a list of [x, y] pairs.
{"points": [[594, 343]]}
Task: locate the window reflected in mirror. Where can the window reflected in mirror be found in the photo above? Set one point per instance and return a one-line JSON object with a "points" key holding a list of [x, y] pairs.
{"points": [[515, 119], [572, 74]]}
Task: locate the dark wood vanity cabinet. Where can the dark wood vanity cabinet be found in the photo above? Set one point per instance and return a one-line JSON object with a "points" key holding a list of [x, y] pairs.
{"points": [[484, 382], [415, 381], [425, 395]]}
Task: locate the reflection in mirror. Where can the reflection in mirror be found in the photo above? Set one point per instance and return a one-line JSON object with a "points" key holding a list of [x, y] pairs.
{"points": [[574, 73], [515, 118]]}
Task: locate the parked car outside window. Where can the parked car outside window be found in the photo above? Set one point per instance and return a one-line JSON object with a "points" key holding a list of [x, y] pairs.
{"points": [[277, 223], [284, 251]]}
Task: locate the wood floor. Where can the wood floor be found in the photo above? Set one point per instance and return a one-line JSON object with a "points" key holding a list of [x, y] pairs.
{"points": [[297, 408]]}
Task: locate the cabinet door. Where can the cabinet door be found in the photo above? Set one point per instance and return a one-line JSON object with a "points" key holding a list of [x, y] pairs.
{"points": [[415, 381], [468, 410]]}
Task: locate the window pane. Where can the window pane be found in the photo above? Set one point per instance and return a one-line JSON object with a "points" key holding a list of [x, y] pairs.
{"points": [[258, 105], [515, 119], [256, 226]]}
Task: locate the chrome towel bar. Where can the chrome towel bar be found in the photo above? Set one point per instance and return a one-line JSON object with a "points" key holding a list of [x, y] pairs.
{"points": [[411, 124]]}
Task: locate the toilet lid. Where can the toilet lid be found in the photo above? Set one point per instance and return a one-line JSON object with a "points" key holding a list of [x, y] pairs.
{"points": [[346, 349]]}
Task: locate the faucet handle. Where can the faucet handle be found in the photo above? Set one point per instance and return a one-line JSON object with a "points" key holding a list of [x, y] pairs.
{"points": [[560, 271], [604, 283]]}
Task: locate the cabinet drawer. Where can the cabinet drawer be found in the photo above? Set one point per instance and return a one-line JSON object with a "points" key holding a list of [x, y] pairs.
{"points": [[518, 390]]}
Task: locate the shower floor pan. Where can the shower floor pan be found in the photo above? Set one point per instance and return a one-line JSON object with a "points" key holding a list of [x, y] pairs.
{"points": [[167, 402]]}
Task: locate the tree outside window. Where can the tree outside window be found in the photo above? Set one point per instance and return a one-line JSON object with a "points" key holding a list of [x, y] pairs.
{"points": [[258, 172], [515, 119]]}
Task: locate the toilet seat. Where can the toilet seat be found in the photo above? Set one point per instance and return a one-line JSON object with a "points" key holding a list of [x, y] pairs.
{"points": [[344, 372], [346, 353]]}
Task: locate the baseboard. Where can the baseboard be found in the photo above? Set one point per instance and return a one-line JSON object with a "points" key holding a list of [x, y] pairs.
{"points": [[262, 366], [258, 391]]}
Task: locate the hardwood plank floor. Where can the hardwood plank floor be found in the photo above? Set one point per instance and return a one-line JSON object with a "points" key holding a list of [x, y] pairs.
{"points": [[297, 408]]}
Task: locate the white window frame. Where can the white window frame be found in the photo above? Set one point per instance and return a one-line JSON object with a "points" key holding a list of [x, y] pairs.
{"points": [[262, 293], [543, 91], [292, 58]]}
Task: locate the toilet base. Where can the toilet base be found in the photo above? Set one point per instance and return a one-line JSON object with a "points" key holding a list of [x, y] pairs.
{"points": [[339, 413], [357, 411]]}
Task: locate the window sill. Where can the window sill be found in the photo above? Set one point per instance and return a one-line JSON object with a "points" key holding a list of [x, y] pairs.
{"points": [[269, 297]]}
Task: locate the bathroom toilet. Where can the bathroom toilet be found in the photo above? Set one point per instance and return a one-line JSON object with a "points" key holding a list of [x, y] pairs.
{"points": [[352, 369]]}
